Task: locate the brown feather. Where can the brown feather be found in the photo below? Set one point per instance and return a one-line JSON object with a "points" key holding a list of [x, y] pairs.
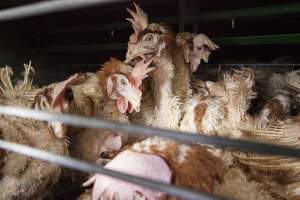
{"points": [[192, 166], [199, 112], [111, 67]]}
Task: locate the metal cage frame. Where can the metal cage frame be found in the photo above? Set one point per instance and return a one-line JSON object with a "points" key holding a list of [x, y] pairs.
{"points": [[46, 7]]}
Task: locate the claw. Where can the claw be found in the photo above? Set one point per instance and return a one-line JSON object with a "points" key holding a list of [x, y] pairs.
{"points": [[141, 71]]}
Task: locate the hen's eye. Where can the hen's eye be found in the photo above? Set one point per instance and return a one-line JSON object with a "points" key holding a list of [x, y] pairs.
{"points": [[69, 95], [123, 82], [149, 38]]}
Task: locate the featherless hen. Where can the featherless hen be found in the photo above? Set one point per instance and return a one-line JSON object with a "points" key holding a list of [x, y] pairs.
{"points": [[166, 161], [161, 160]]}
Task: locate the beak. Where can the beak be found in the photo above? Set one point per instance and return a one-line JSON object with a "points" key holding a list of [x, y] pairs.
{"points": [[135, 52], [134, 96], [132, 52], [130, 58], [195, 62], [194, 67]]}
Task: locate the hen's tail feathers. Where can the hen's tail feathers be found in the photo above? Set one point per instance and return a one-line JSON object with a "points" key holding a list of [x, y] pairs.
{"points": [[274, 132]]}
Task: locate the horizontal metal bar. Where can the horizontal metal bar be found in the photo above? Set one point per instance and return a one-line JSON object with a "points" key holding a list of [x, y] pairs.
{"points": [[107, 26], [187, 137], [93, 168], [259, 40], [201, 16], [263, 11], [93, 28], [254, 64], [84, 48], [202, 65], [222, 41], [47, 7]]}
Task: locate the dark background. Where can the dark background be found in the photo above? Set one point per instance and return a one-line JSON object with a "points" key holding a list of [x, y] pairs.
{"points": [[63, 43]]}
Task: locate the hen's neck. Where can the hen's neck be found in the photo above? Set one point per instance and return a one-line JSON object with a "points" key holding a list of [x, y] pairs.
{"points": [[182, 78], [166, 111], [109, 111], [162, 78]]}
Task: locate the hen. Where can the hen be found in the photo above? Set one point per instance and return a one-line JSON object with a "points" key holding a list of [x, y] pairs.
{"points": [[113, 92], [190, 50], [281, 96], [155, 42], [280, 174], [23, 177], [160, 160], [166, 161], [174, 57], [277, 175], [215, 109], [109, 94]]}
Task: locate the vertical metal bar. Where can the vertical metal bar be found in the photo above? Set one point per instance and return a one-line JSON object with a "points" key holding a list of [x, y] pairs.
{"points": [[182, 15], [194, 10]]}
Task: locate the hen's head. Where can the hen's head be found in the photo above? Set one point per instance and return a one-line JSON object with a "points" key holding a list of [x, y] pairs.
{"points": [[58, 98], [121, 83], [148, 40], [195, 48]]}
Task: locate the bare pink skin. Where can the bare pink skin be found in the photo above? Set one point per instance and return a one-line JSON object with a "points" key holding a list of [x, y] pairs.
{"points": [[58, 102], [111, 143], [138, 164]]}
